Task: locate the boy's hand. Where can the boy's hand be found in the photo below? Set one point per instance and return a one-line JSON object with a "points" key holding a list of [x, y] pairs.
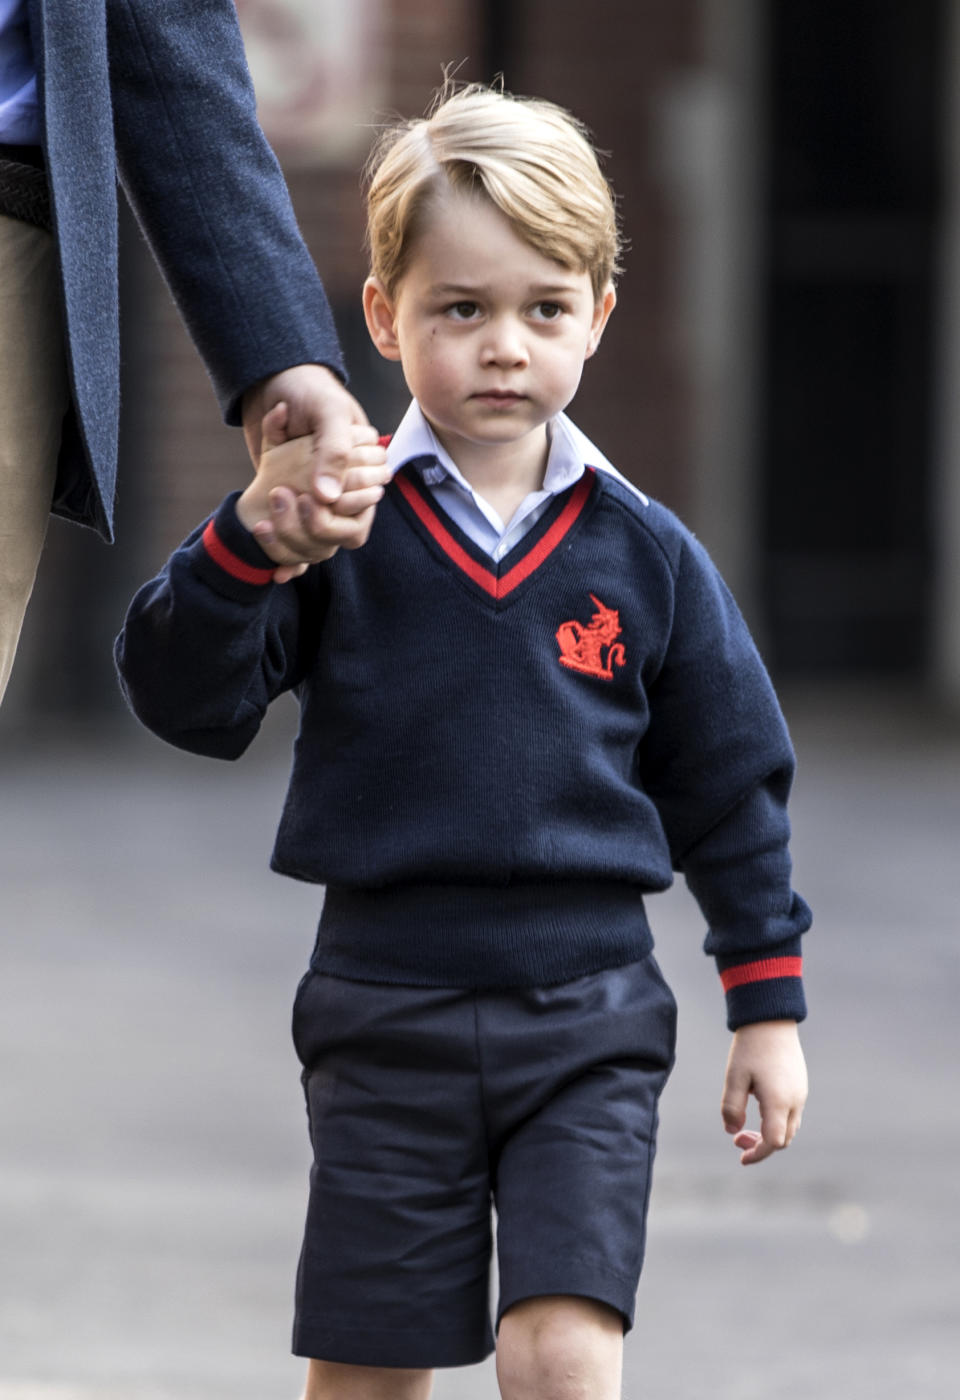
{"points": [[765, 1060], [285, 474]]}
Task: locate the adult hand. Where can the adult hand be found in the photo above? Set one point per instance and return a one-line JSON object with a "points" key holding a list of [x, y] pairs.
{"points": [[317, 406], [317, 403]]}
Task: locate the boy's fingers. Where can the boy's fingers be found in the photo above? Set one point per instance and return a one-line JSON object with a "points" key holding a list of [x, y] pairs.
{"points": [[755, 1150], [362, 526], [360, 478], [301, 528], [363, 433], [282, 503], [340, 523], [733, 1107], [371, 456], [359, 449], [751, 1146], [773, 1126], [368, 467], [777, 1129], [348, 530], [282, 500], [356, 502], [327, 487], [314, 532], [313, 519], [286, 572]]}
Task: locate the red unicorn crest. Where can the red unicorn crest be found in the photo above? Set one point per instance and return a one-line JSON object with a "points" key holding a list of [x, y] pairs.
{"points": [[582, 648]]}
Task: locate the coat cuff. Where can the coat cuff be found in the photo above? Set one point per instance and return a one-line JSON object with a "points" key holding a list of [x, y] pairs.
{"points": [[228, 557]]}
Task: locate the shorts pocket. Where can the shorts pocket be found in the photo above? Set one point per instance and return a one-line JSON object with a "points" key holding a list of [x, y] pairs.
{"points": [[664, 1009], [300, 1019]]}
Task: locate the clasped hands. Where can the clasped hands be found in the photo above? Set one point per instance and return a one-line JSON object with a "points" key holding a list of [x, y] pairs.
{"points": [[320, 469]]}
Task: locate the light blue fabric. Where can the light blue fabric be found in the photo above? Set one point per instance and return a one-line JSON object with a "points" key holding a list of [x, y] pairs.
{"points": [[19, 109]]}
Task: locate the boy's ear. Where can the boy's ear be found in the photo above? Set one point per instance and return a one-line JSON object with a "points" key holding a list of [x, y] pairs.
{"points": [[378, 311], [601, 315]]}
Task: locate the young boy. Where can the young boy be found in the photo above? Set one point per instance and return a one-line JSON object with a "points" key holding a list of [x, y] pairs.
{"points": [[524, 701]]}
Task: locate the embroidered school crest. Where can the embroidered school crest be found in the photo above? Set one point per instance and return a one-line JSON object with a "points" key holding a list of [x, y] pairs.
{"points": [[592, 649]]}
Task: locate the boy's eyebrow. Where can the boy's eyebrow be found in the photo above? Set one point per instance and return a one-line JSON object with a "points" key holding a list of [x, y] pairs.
{"points": [[547, 289]]}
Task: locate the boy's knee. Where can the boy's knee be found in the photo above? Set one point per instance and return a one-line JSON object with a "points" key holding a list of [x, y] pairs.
{"points": [[329, 1380], [560, 1349]]}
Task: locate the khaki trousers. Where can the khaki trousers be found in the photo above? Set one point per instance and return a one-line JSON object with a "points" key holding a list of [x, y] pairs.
{"points": [[34, 396]]}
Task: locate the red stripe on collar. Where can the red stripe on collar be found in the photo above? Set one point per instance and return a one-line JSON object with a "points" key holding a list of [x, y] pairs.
{"points": [[498, 586]]}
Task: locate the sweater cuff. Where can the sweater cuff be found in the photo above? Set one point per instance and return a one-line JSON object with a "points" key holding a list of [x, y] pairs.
{"points": [[769, 988], [228, 557]]}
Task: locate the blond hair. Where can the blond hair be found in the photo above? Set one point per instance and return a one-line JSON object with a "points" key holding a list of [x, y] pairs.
{"points": [[530, 158]]}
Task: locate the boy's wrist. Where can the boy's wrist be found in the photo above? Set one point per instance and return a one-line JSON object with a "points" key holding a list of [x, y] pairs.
{"points": [[775, 1026], [253, 505], [230, 558]]}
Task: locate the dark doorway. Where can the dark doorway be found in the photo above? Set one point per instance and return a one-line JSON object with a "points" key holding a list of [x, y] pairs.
{"points": [[853, 199]]}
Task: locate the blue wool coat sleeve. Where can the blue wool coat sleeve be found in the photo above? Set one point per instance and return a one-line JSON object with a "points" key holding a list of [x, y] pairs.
{"points": [[203, 653], [209, 193]]}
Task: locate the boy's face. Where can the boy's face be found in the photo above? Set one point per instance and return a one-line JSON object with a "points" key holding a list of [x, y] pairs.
{"points": [[492, 335]]}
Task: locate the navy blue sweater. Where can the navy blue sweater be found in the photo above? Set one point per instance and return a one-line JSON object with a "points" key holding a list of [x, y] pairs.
{"points": [[496, 762]]}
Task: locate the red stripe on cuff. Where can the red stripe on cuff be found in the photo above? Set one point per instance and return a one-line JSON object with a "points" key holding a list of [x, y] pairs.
{"points": [[764, 971], [231, 563]]}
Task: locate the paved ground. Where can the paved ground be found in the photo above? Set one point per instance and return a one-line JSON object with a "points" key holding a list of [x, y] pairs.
{"points": [[152, 1144]]}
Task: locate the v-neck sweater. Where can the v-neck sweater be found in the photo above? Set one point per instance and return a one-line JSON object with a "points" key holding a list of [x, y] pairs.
{"points": [[496, 761]]}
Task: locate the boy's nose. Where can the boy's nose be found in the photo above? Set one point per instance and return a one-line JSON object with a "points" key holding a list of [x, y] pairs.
{"points": [[505, 345]]}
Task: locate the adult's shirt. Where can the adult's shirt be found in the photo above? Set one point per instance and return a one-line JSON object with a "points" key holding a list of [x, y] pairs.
{"points": [[19, 110]]}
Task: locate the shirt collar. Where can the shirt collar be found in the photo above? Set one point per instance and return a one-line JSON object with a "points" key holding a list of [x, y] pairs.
{"points": [[571, 451]]}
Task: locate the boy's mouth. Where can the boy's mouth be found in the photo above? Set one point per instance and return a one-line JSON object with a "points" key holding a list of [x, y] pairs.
{"points": [[505, 396]]}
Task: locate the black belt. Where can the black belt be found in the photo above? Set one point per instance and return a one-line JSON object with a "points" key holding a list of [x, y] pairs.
{"points": [[24, 192]]}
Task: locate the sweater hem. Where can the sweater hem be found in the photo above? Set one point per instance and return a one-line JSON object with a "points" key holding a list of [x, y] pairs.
{"points": [[481, 936]]}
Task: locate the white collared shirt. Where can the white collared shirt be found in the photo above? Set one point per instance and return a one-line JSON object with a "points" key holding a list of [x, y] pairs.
{"points": [[571, 452]]}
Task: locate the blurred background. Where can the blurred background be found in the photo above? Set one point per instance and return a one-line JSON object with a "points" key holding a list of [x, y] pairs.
{"points": [[782, 365], [782, 369]]}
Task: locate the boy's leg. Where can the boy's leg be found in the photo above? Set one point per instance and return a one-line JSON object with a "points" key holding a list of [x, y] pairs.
{"points": [[574, 1074], [560, 1348], [394, 1269], [328, 1380]]}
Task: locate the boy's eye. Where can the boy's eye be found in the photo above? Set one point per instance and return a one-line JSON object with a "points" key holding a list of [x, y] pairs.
{"points": [[549, 310], [463, 310]]}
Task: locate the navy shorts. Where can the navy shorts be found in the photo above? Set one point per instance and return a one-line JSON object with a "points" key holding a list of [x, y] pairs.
{"points": [[428, 1105]]}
